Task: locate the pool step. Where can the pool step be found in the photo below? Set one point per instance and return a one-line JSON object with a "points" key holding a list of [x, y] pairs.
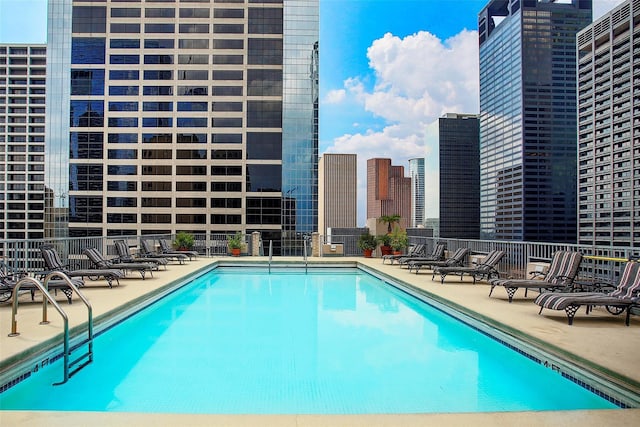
{"points": [[84, 359]]}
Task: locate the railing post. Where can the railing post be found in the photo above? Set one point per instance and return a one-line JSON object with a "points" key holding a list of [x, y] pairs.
{"points": [[315, 244]]}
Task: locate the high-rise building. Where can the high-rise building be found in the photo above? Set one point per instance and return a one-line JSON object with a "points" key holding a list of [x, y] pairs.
{"points": [[528, 118], [609, 129], [23, 72], [459, 143], [195, 116], [416, 173], [388, 191], [337, 189]]}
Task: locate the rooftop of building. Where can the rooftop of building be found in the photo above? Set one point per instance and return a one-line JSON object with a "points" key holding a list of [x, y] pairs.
{"points": [[599, 342]]}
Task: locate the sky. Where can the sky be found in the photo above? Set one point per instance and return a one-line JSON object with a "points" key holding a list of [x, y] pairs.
{"points": [[388, 70]]}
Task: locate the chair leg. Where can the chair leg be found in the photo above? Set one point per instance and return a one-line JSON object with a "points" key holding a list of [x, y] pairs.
{"points": [[68, 293], [511, 291], [571, 312]]}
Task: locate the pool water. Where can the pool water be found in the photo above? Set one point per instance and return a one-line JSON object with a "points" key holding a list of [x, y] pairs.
{"points": [[240, 341]]}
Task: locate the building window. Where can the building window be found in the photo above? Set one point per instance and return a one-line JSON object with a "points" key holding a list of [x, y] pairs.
{"points": [[87, 50], [124, 75], [159, 28], [124, 43], [264, 145], [123, 106], [87, 82], [157, 106], [122, 138], [158, 43], [158, 75], [89, 19], [262, 178], [122, 170], [157, 122], [189, 138], [123, 90], [192, 106], [264, 114]]}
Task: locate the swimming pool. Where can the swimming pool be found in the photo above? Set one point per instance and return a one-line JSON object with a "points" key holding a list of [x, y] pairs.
{"points": [[335, 342]]}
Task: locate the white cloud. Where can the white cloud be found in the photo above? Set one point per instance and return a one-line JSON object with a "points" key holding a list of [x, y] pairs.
{"points": [[335, 96], [417, 80]]}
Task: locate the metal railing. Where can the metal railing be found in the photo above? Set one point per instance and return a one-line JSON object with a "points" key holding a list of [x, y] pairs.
{"points": [[600, 262]]}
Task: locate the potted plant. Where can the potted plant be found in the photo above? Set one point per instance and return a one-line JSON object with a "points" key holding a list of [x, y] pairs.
{"points": [[184, 241], [367, 243], [235, 243], [399, 240], [385, 244]]}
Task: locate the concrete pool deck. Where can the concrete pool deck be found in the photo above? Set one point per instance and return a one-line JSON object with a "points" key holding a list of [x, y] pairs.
{"points": [[599, 341]]}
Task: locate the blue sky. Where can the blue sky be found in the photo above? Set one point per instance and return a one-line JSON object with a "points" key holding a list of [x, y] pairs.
{"points": [[388, 70]]}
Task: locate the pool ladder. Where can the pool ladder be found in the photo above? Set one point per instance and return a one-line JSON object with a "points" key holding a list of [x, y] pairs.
{"points": [[71, 367], [270, 254]]}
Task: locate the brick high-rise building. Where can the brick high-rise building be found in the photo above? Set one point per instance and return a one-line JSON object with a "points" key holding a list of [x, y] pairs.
{"points": [[388, 191]]}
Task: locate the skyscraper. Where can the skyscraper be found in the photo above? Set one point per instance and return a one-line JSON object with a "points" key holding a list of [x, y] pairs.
{"points": [[388, 191], [416, 173], [459, 176], [528, 118], [609, 129], [195, 116], [23, 70], [338, 195]]}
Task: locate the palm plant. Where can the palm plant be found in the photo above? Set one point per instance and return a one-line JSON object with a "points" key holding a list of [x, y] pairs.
{"points": [[389, 220]]}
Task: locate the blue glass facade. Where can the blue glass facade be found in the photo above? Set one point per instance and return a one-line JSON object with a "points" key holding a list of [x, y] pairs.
{"points": [[528, 123]]}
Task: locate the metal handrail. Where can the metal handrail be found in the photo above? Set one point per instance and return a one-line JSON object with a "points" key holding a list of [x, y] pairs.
{"points": [[270, 254], [305, 255], [43, 287]]}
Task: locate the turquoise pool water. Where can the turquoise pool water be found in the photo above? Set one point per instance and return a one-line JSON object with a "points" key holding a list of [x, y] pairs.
{"points": [[342, 342]]}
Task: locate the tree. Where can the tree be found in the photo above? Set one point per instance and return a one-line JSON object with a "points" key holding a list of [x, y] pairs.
{"points": [[389, 220]]}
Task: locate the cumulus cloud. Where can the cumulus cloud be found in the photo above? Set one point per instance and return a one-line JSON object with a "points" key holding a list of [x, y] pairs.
{"points": [[335, 96], [417, 79]]}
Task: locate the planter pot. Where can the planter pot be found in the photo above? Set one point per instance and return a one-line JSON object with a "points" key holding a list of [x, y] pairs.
{"points": [[385, 250], [367, 253], [397, 252], [235, 252]]}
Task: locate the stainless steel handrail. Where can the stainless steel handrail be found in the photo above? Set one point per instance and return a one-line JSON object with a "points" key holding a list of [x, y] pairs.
{"points": [[43, 287], [270, 254]]}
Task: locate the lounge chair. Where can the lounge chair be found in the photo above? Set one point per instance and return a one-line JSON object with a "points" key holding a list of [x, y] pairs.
{"points": [[485, 270], [53, 263], [9, 280], [124, 255], [456, 260], [436, 255], [417, 250], [166, 249], [625, 296], [101, 262], [148, 251], [561, 274]]}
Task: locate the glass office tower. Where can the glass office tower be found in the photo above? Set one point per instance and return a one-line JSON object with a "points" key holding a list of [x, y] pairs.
{"points": [[416, 173], [188, 115], [528, 134], [458, 136]]}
